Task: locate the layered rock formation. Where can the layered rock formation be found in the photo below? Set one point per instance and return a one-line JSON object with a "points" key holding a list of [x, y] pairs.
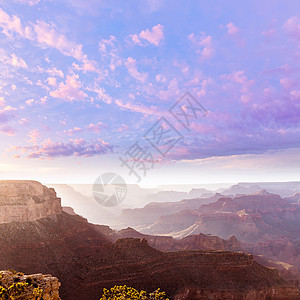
{"points": [[36, 286], [264, 223], [152, 211], [23, 201], [251, 218], [168, 243], [85, 260]]}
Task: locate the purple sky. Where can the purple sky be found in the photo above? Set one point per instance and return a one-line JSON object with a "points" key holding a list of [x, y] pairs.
{"points": [[82, 81]]}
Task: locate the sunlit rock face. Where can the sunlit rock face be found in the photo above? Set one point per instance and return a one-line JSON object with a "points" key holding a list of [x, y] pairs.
{"points": [[23, 201]]}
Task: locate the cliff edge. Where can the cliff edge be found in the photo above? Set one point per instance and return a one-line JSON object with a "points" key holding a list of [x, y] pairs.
{"points": [[25, 201]]}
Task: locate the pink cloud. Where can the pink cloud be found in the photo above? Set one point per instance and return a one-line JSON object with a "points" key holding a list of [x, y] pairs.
{"points": [[70, 90], [75, 147], [102, 95], [72, 131], [18, 62], [106, 44], [232, 29], [28, 2], [12, 60], [269, 33], [7, 130], [89, 66], [135, 39], [95, 128], [43, 100], [23, 121], [11, 24], [288, 82], [34, 136], [110, 51], [153, 36], [51, 81], [240, 78], [139, 108], [132, 69], [234, 33], [292, 26], [55, 72], [9, 108], [203, 43], [29, 102], [295, 94], [123, 127], [172, 91], [46, 35]]}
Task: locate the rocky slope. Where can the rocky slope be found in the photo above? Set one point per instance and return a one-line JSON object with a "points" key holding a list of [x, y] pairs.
{"points": [[85, 261]]}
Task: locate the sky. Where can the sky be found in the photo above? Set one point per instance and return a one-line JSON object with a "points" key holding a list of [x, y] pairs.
{"points": [[160, 92]]}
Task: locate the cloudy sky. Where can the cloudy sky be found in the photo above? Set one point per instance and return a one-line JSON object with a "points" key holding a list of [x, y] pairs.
{"points": [[86, 87]]}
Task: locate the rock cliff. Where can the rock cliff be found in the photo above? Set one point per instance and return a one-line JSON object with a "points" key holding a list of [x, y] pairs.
{"points": [[23, 201]]}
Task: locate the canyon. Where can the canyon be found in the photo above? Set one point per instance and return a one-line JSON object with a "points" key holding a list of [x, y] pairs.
{"points": [[87, 257]]}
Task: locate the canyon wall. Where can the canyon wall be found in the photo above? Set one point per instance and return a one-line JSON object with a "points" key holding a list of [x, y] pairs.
{"points": [[24, 201]]}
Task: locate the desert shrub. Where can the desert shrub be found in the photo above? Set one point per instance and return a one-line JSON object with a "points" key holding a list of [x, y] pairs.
{"points": [[19, 290], [128, 293]]}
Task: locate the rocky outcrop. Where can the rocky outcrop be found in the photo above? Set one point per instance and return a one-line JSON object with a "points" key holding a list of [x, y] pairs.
{"points": [[35, 286], [23, 201]]}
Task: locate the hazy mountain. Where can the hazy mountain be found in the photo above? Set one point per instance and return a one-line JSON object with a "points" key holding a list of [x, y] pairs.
{"points": [[284, 189], [151, 212]]}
